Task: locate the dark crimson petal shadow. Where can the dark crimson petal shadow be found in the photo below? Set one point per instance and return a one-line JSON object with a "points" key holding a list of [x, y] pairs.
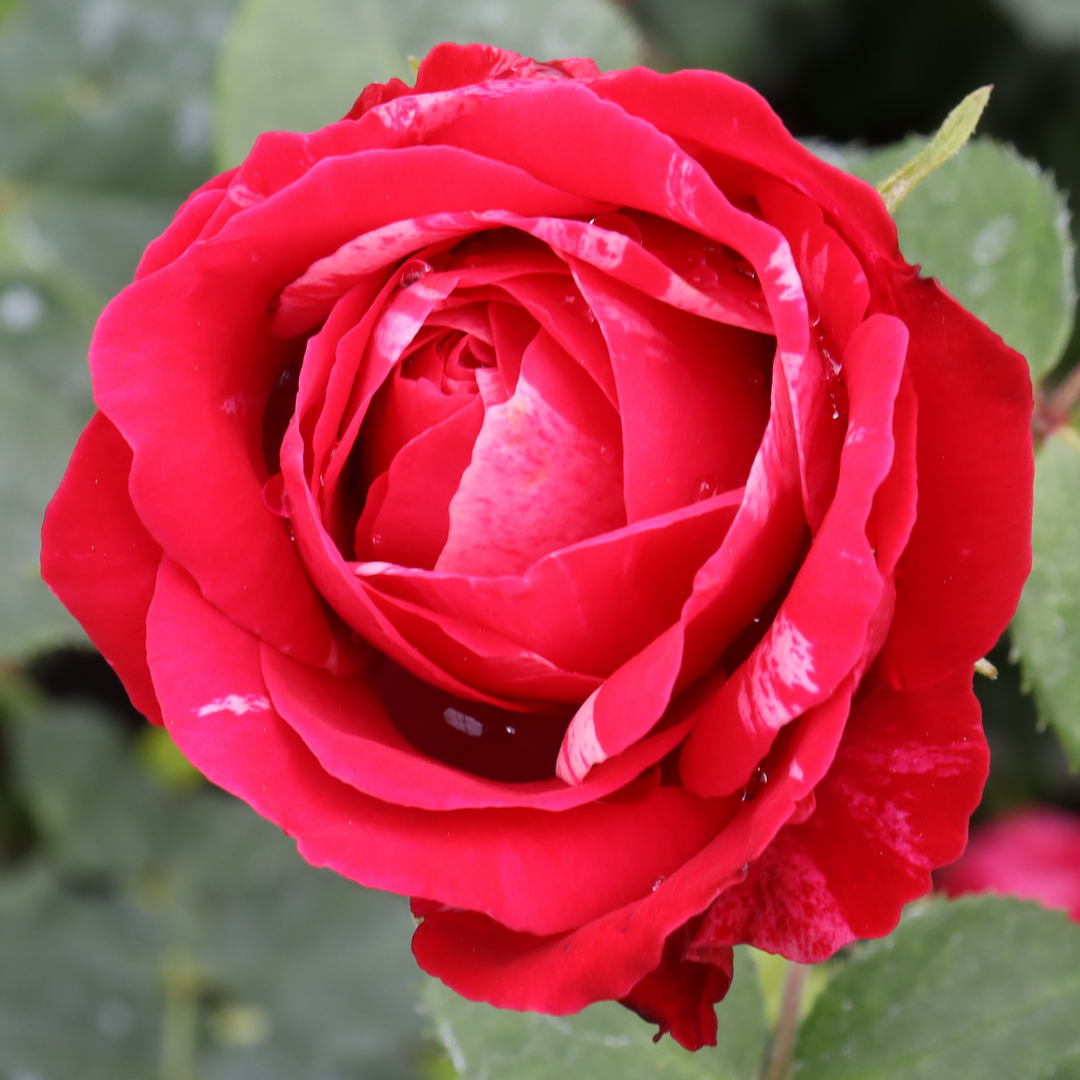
{"points": [[534, 871], [692, 397], [100, 561], [894, 806], [960, 576], [558, 974], [821, 629], [344, 723]]}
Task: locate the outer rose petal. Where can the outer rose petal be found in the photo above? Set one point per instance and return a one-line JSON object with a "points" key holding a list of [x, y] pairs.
{"points": [[533, 870], [894, 806], [679, 995], [100, 560], [608, 957], [960, 577]]}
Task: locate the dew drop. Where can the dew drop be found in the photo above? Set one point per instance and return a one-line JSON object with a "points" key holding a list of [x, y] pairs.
{"points": [[619, 223], [413, 271], [755, 378], [744, 269], [472, 262], [703, 276], [755, 785], [472, 736], [705, 488], [376, 539], [657, 883]]}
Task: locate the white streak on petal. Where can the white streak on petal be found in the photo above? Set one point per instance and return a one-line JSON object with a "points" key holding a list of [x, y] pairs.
{"points": [[784, 272], [795, 660], [580, 749], [238, 704]]}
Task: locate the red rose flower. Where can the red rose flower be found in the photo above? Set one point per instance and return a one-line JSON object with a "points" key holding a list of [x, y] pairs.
{"points": [[551, 495], [1033, 854]]}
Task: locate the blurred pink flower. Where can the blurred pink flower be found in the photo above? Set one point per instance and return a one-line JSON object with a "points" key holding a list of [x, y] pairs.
{"points": [[1033, 854]]}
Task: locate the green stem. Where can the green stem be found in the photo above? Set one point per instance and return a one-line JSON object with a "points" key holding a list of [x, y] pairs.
{"points": [[180, 982], [787, 1025]]}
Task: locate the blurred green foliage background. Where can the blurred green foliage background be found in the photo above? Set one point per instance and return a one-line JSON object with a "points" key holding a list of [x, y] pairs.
{"points": [[151, 926]]}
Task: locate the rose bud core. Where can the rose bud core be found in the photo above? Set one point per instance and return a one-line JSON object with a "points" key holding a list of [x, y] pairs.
{"points": [[550, 495]]}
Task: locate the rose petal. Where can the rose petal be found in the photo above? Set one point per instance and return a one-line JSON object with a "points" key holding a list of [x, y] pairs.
{"points": [[588, 606], [962, 571], [344, 723], [729, 588], [821, 629], [679, 995], [533, 870], [413, 519], [692, 397], [606, 958], [894, 806], [97, 557], [546, 471]]}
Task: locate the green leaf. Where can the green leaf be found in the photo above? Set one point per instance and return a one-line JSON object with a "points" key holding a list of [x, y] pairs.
{"points": [[298, 67], [182, 926], [958, 127], [994, 230], [109, 94], [1046, 629], [976, 989], [603, 1041]]}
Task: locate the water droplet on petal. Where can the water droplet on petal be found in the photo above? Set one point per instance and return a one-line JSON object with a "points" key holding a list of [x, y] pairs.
{"points": [[705, 488], [703, 277], [744, 269], [657, 883], [619, 223], [413, 271]]}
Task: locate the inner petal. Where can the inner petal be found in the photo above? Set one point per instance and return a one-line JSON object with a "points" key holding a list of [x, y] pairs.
{"points": [[693, 396], [411, 525], [546, 470]]}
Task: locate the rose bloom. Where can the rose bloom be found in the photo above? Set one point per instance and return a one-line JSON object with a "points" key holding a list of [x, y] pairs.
{"points": [[1033, 854], [551, 496]]}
